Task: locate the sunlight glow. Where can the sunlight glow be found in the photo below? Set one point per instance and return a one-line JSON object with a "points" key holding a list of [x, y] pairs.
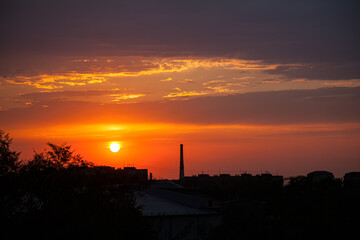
{"points": [[115, 147]]}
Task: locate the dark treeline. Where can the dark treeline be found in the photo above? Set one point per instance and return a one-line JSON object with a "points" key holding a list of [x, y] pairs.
{"points": [[54, 195], [57, 194], [300, 210]]}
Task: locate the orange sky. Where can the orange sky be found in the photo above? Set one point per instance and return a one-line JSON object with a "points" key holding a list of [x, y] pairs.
{"points": [[282, 149], [231, 115], [244, 86]]}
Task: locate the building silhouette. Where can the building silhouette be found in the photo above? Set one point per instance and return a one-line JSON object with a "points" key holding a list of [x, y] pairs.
{"points": [[352, 180], [181, 174], [175, 213], [320, 176]]}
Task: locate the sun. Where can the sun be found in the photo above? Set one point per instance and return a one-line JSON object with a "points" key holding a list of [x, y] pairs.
{"points": [[114, 147]]}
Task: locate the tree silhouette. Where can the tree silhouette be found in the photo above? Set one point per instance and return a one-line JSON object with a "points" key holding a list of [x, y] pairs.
{"points": [[9, 160], [58, 157], [59, 195]]}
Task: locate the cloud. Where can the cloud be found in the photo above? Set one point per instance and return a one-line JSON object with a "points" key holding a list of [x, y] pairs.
{"points": [[103, 96], [186, 94], [290, 40], [119, 97], [73, 72], [271, 81], [216, 82], [223, 86], [274, 31], [188, 80], [343, 83], [319, 71], [274, 38], [166, 80], [326, 105], [53, 81]]}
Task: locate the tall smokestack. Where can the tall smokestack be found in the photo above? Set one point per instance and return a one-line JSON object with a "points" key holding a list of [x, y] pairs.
{"points": [[181, 176]]}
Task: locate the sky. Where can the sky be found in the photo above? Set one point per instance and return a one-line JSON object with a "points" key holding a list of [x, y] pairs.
{"points": [[247, 86]]}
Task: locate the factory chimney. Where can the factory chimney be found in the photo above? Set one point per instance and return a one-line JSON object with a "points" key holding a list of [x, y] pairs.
{"points": [[181, 176]]}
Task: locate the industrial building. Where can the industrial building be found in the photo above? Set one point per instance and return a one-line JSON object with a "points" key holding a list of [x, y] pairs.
{"points": [[176, 214]]}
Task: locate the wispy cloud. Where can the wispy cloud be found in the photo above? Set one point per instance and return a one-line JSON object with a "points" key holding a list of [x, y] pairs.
{"points": [[166, 80], [326, 105], [188, 80], [270, 81], [343, 83], [186, 94], [54, 81], [223, 86], [119, 97], [103, 96], [101, 71]]}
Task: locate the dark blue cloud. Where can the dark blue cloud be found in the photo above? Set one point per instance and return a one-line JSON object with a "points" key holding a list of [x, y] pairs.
{"points": [[323, 35], [320, 71], [278, 30]]}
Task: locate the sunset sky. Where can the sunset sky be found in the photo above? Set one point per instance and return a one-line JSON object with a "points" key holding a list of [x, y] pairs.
{"points": [[247, 86]]}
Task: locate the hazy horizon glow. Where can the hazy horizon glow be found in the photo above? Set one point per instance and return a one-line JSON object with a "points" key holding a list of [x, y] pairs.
{"points": [[208, 148]]}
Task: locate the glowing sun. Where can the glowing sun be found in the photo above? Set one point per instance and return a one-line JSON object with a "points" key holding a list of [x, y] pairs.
{"points": [[115, 147]]}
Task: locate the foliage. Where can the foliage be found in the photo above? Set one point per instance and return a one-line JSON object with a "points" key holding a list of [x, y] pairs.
{"points": [[56, 195], [58, 157], [9, 160], [303, 210], [96, 212]]}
